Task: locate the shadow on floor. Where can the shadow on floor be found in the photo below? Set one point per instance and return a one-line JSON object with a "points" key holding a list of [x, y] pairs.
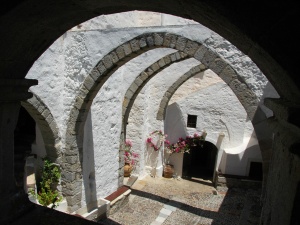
{"points": [[177, 204], [205, 181]]}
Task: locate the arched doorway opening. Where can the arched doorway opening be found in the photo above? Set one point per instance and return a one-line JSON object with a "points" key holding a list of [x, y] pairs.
{"points": [[24, 137], [200, 163]]}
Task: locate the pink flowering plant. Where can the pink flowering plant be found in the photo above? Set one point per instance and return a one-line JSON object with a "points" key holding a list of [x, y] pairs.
{"points": [[196, 139], [184, 145], [181, 146], [156, 139], [130, 156]]}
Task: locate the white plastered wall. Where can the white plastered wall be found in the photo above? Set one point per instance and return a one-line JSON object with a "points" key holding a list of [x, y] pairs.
{"points": [[62, 68], [154, 91], [103, 127], [218, 112]]}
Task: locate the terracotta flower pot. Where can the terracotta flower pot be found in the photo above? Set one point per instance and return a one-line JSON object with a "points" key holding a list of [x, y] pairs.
{"points": [[168, 171], [127, 169]]}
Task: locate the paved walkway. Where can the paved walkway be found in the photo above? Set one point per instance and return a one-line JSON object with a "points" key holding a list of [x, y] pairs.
{"points": [[156, 201]]}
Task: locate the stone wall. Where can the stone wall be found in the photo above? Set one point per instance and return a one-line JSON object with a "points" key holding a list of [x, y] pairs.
{"points": [[73, 70], [218, 112]]}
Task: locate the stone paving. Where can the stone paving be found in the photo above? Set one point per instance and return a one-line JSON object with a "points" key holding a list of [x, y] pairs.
{"points": [[156, 201]]}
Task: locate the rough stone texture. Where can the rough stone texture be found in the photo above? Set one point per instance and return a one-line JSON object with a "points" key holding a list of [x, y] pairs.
{"points": [[103, 127], [214, 115], [47, 125], [25, 40], [174, 201], [138, 128], [79, 54], [85, 44], [168, 94], [141, 80]]}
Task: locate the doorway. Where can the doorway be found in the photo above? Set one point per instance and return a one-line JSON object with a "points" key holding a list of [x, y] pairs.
{"points": [[24, 136], [200, 162]]}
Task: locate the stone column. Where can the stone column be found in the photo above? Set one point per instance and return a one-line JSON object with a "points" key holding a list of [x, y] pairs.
{"points": [[280, 193], [218, 158], [12, 91]]}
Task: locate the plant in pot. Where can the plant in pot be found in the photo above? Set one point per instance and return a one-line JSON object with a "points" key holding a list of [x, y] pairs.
{"points": [[130, 158], [47, 193], [181, 146]]}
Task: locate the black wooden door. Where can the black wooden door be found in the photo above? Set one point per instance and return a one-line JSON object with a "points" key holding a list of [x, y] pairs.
{"points": [[200, 162]]}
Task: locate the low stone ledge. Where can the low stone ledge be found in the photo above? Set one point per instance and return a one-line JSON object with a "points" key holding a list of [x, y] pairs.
{"points": [[94, 211], [118, 199], [238, 181]]}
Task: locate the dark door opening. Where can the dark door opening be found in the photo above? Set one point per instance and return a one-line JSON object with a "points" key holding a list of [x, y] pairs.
{"points": [[200, 162], [255, 172], [24, 136]]}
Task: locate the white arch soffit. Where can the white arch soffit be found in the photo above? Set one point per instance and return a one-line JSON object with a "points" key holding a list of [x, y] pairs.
{"points": [[241, 148], [233, 151], [58, 81]]}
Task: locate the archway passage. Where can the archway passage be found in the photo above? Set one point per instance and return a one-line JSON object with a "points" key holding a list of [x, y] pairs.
{"points": [[24, 137], [200, 162]]}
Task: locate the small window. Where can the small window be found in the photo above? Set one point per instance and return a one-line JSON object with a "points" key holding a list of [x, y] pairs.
{"points": [[192, 121]]}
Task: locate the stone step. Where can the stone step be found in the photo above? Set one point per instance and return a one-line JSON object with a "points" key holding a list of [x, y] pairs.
{"points": [[131, 181]]}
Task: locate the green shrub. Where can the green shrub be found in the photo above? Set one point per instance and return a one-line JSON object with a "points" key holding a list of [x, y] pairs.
{"points": [[47, 192]]}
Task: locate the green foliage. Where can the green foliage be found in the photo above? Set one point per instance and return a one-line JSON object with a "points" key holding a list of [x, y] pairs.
{"points": [[47, 197], [47, 192], [50, 174]]}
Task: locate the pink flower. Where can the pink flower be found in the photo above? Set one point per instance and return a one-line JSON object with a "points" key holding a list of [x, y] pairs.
{"points": [[149, 140], [128, 142], [135, 155]]}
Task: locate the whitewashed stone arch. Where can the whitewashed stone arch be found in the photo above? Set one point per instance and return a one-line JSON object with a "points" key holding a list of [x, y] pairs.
{"points": [[108, 65], [142, 80], [171, 90], [47, 125]]}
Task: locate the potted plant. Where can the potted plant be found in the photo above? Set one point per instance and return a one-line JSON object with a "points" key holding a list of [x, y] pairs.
{"points": [[181, 146], [130, 158], [47, 193]]}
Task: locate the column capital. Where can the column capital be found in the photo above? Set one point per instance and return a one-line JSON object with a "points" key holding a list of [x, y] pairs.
{"points": [[15, 90]]}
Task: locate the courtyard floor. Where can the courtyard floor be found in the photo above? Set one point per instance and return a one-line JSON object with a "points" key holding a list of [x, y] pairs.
{"points": [[166, 201]]}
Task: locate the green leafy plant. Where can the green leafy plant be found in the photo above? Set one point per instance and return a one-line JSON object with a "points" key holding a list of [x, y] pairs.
{"points": [[47, 192]]}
